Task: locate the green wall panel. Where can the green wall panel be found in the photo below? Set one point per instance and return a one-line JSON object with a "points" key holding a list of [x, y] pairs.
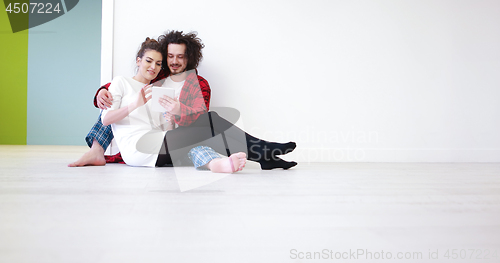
{"points": [[13, 82]]}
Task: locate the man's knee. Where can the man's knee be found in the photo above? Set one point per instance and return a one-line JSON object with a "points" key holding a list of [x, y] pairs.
{"points": [[213, 114]]}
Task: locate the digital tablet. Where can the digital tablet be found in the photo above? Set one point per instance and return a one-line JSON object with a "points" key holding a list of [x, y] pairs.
{"points": [[158, 92]]}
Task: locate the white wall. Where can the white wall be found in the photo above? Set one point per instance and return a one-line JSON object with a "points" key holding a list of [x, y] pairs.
{"points": [[370, 81]]}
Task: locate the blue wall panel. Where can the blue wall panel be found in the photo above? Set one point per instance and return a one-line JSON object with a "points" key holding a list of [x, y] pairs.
{"points": [[64, 57]]}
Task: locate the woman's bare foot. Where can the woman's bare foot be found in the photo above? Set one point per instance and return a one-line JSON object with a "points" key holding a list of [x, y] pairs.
{"points": [[231, 164], [95, 156]]}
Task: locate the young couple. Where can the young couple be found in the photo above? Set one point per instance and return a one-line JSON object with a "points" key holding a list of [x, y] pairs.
{"points": [[186, 132]]}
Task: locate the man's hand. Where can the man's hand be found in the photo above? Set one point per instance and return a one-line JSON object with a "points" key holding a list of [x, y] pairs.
{"points": [[169, 117], [173, 106], [104, 99]]}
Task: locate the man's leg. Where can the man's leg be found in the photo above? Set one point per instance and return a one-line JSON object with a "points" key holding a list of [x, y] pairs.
{"points": [[98, 139], [210, 125], [205, 157]]}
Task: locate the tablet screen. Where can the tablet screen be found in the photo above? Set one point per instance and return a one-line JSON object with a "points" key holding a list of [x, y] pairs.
{"points": [[158, 92]]}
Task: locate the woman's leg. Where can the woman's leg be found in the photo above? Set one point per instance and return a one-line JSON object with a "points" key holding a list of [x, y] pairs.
{"points": [[98, 139], [100, 133]]}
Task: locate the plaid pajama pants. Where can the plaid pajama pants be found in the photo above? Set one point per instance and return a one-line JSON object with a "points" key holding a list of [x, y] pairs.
{"points": [[201, 155], [103, 134]]}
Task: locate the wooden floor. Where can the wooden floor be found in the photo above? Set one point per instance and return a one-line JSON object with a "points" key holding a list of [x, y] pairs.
{"points": [[316, 212]]}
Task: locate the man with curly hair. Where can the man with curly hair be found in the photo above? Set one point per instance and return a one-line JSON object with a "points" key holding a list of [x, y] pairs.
{"points": [[181, 56]]}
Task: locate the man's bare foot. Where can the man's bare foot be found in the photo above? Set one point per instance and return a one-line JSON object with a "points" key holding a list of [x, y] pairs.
{"points": [[95, 156], [231, 164]]}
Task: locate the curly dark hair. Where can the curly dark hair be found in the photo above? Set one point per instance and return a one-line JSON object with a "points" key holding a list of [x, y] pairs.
{"points": [[193, 47]]}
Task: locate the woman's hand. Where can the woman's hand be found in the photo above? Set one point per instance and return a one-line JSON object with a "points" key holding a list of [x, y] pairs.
{"points": [[173, 106], [117, 115], [142, 97], [104, 99]]}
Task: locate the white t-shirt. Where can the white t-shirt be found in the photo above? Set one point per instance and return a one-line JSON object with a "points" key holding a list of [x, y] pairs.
{"points": [[177, 86], [141, 125]]}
